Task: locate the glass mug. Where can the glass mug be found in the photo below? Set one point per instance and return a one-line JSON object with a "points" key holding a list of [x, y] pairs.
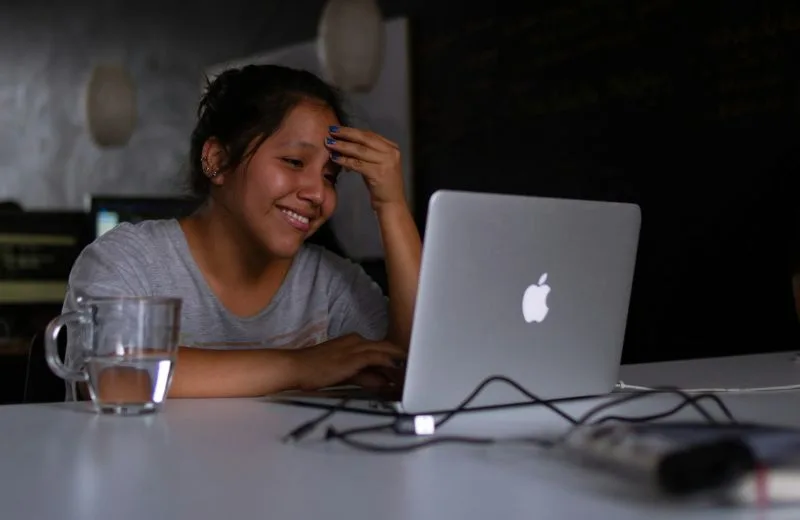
{"points": [[125, 354]]}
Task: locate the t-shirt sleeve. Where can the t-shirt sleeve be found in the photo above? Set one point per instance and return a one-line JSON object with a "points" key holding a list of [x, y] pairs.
{"points": [[113, 265], [357, 303]]}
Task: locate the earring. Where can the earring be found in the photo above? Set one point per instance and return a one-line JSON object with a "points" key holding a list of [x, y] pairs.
{"points": [[207, 169]]}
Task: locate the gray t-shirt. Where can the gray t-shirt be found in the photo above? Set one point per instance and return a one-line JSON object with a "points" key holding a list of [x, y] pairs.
{"points": [[322, 297]]}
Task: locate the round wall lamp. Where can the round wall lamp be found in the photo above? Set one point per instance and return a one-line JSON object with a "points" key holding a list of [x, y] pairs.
{"points": [[350, 43], [111, 106]]}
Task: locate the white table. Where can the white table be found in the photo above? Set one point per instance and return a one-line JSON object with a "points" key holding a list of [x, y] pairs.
{"points": [[223, 459], [758, 370]]}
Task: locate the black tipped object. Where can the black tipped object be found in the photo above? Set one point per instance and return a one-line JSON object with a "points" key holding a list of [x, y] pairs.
{"points": [[705, 466]]}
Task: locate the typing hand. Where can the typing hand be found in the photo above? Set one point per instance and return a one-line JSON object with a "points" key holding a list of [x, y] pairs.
{"points": [[379, 378], [341, 360]]}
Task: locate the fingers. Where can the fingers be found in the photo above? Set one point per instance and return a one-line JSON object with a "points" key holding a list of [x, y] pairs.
{"points": [[379, 378], [345, 357], [372, 379], [374, 355], [353, 164], [383, 347], [364, 137], [361, 152], [380, 362], [376, 359], [390, 144], [394, 376]]}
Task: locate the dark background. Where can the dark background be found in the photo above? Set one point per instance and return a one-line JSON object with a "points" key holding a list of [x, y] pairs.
{"points": [[689, 109]]}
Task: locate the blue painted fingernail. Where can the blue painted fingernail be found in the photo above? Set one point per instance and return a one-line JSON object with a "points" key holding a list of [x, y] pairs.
{"points": [[330, 140], [333, 129], [334, 155]]}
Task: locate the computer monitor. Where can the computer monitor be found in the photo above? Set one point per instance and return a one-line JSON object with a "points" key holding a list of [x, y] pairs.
{"points": [[107, 211], [37, 250]]}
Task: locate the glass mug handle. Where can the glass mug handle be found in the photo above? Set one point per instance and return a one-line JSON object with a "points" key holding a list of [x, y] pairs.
{"points": [[51, 348]]}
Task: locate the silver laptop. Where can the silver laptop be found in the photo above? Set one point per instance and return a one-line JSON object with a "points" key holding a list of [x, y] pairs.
{"points": [[533, 289]]}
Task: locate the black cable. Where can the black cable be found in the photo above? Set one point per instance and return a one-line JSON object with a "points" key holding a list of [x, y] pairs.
{"points": [[663, 415], [502, 379], [327, 407], [344, 436], [308, 426], [389, 411], [364, 446], [689, 399], [399, 418]]}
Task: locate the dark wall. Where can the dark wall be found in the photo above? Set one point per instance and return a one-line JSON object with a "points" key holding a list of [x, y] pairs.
{"points": [[690, 109]]}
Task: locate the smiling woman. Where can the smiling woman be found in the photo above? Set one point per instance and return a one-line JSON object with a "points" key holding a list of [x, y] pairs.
{"points": [[263, 311]]}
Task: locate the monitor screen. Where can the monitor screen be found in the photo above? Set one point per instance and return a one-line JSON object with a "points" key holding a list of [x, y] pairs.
{"points": [[105, 221]]}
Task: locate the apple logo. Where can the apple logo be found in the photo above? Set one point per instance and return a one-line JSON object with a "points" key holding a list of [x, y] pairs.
{"points": [[534, 301]]}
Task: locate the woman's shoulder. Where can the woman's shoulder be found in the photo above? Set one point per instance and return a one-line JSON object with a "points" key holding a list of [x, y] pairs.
{"points": [[143, 233], [129, 242], [120, 261]]}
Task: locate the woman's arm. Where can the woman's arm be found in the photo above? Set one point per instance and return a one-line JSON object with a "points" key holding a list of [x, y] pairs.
{"points": [[378, 160], [403, 250], [231, 373], [253, 373], [205, 373]]}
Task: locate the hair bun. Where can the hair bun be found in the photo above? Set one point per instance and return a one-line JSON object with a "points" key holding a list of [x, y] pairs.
{"points": [[217, 90]]}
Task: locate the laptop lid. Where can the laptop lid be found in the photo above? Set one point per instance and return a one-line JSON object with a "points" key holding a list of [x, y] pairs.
{"points": [[534, 289]]}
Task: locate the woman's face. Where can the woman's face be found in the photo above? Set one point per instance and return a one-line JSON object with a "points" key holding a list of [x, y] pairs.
{"points": [[286, 190]]}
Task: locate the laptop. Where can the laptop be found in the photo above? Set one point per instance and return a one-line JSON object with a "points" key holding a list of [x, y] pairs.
{"points": [[534, 289]]}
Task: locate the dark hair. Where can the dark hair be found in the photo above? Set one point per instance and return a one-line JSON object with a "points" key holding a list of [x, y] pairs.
{"points": [[247, 104]]}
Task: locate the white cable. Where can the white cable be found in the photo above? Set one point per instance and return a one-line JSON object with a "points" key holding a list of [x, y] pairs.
{"points": [[622, 385]]}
